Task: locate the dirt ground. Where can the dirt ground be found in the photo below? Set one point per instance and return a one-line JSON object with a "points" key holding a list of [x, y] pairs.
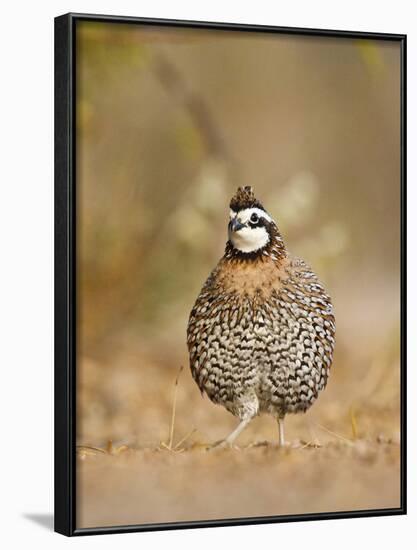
{"points": [[344, 454], [151, 486]]}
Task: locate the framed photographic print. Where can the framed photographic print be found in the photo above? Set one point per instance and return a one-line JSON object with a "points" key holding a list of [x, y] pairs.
{"points": [[229, 274]]}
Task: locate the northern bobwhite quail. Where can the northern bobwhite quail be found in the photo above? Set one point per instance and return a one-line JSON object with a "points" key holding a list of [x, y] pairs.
{"points": [[261, 333]]}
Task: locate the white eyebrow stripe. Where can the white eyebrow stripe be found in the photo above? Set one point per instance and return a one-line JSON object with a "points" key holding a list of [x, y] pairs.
{"points": [[244, 215]]}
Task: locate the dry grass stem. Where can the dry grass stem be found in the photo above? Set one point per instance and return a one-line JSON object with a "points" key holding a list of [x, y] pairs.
{"points": [[341, 437], [353, 423], [184, 439], [170, 445]]}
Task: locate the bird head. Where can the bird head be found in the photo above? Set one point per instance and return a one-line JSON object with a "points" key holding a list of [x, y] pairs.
{"points": [[251, 228]]}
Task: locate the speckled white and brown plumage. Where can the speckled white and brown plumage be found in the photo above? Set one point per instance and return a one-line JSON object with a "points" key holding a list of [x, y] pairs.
{"points": [[261, 333]]}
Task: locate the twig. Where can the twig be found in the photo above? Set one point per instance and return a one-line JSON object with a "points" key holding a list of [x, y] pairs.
{"points": [[335, 434], [185, 438], [165, 446], [313, 435], [193, 103], [89, 448], [310, 444], [353, 422]]}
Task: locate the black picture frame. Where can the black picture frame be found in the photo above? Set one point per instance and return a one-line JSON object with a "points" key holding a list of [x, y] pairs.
{"points": [[65, 272]]}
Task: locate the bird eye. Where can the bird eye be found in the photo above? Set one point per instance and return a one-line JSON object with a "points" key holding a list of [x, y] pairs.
{"points": [[254, 218]]}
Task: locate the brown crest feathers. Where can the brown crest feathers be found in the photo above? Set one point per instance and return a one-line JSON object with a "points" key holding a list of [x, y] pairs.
{"points": [[244, 198]]}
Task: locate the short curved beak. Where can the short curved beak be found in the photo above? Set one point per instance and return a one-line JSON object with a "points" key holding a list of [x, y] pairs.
{"points": [[235, 225]]}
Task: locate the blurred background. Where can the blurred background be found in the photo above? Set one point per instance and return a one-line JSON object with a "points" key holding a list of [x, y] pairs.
{"points": [[169, 123]]}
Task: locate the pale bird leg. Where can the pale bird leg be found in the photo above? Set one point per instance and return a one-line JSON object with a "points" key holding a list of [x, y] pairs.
{"points": [[231, 438], [281, 439]]}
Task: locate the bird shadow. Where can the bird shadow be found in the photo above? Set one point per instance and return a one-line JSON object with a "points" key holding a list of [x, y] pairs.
{"points": [[44, 520]]}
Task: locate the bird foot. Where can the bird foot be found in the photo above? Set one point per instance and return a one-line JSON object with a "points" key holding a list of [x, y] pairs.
{"points": [[220, 445]]}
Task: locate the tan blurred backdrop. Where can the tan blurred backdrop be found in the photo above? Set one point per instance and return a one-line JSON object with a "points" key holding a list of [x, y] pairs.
{"points": [[169, 122]]}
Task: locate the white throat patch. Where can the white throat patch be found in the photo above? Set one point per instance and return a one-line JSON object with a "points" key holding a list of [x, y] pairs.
{"points": [[249, 239]]}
